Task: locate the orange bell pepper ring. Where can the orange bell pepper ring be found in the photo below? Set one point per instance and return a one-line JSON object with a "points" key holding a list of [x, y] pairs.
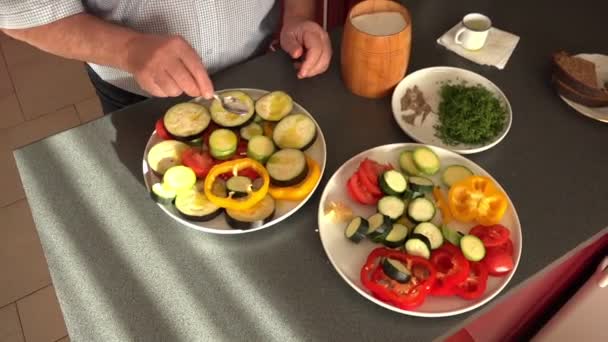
{"points": [[476, 198]]}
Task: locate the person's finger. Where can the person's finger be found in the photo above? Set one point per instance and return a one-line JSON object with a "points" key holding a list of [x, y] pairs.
{"points": [[166, 83], [196, 68], [291, 45], [148, 84], [314, 49], [323, 62], [183, 78]]}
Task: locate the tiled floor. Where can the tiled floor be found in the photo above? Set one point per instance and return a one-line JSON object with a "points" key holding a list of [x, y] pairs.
{"points": [[40, 95]]}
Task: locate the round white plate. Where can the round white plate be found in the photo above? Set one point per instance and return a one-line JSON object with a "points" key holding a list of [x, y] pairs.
{"points": [[601, 68], [429, 82], [218, 225], [348, 257]]}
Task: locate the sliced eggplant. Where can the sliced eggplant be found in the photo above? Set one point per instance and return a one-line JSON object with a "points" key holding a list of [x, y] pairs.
{"points": [[192, 204], [256, 216], [239, 186], [260, 148], [224, 118], [161, 194], [165, 154], [396, 270], [274, 106], [186, 121], [223, 143], [297, 131], [287, 167], [251, 130], [356, 229]]}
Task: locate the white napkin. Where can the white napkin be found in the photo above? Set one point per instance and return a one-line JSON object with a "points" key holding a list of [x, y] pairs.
{"points": [[496, 52]]}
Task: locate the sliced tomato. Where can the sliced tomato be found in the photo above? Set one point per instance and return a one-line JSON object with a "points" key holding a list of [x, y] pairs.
{"points": [[369, 169], [358, 193], [161, 130], [200, 162], [499, 259], [493, 235], [452, 269], [241, 149], [372, 188], [475, 284], [506, 247]]}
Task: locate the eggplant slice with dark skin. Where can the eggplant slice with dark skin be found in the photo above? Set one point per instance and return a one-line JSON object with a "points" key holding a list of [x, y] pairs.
{"points": [[256, 216]]}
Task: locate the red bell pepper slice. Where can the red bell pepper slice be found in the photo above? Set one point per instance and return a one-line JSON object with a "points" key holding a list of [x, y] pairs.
{"points": [[452, 269], [475, 284]]}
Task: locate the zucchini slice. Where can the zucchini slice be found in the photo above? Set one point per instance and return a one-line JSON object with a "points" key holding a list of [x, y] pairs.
{"points": [[426, 160], [223, 143], [356, 229], [178, 178], [472, 248], [161, 194], [224, 118], [451, 235], [455, 173], [297, 131], [287, 167], [391, 206], [404, 220], [260, 148], [431, 232], [418, 245], [421, 209], [192, 204], [410, 194], [396, 237], [406, 162], [421, 184], [249, 131], [165, 154], [274, 106], [396, 270], [186, 121], [393, 182], [379, 227], [240, 186], [256, 216]]}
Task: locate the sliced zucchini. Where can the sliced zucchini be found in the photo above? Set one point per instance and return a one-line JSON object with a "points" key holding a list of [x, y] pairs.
{"points": [[406, 162], [426, 160], [418, 245], [186, 121], [297, 131], [451, 235], [421, 209], [260, 148], [165, 154], [431, 232], [396, 270], [178, 178], [287, 167], [256, 216], [404, 220], [274, 106], [162, 194], [239, 186], [224, 118], [258, 119], [396, 237], [223, 143], [392, 182], [472, 248], [192, 204], [455, 173], [379, 227], [391, 206], [251, 130], [410, 194], [219, 188], [421, 184], [356, 229]]}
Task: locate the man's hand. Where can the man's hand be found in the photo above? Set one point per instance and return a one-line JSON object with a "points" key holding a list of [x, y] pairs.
{"points": [[167, 66], [300, 37]]}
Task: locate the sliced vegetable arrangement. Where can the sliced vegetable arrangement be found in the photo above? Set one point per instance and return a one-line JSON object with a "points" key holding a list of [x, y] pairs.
{"points": [[420, 254], [211, 161]]}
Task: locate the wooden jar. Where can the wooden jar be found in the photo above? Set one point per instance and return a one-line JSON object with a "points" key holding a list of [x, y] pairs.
{"points": [[373, 65]]}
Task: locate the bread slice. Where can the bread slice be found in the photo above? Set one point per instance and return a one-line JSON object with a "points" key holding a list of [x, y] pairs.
{"points": [[574, 95], [578, 74]]}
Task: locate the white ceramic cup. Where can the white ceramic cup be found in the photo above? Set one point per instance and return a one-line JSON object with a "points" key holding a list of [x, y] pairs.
{"points": [[474, 31]]}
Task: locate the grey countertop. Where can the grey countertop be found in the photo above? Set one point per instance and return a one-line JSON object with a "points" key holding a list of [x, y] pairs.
{"points": [[123, 270]]}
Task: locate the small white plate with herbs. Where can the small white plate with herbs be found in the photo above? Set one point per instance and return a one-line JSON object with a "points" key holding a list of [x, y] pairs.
{"points": [[452, 108]]}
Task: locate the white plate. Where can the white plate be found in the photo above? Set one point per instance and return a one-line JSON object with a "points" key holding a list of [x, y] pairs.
{"points": [[348, 257], [218, 225], [601, 68], [429, 82]]}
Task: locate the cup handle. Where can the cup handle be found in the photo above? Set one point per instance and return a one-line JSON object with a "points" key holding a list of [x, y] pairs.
{"points": [[457, 36]]}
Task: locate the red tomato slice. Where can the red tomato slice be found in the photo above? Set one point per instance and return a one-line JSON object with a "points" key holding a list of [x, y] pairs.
{"points": [[200, 162], [358, 193], [452, 269], [161, 130], [506, 247], [475, 284], [491, 235], [499, 259], [369, 186], [241, 149], [369, 170]]}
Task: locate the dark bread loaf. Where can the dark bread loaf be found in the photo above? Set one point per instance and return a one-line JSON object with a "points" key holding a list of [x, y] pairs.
{"points": [[574, 95], [578, 74]]}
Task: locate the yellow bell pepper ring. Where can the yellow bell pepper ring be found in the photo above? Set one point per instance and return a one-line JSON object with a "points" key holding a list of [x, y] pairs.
{"points": [[235, 166], [476, 198], [301, 190]]}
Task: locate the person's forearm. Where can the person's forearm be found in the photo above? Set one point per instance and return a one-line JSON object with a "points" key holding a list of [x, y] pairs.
{"points": [[299, 9], [82, 37]]}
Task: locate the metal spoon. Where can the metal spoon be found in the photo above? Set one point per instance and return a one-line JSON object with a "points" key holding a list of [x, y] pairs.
{"points": [[232, 104]]}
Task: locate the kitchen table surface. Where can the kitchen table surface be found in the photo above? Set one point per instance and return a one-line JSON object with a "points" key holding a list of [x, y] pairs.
{"points": [[123, 270]]}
